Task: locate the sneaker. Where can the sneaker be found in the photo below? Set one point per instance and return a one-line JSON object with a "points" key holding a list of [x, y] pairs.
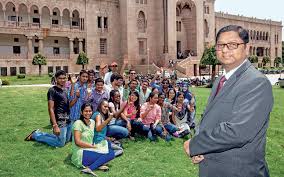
{"points": [[175, 134], [184, 133], [152, 129], [88, 171]]}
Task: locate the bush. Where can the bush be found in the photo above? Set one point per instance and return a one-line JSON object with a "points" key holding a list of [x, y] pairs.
{"points": [[50, 74], [5, 82], [21, 76]]}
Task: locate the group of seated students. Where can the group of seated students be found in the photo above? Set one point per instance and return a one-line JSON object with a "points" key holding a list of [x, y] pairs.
{"points": [[98, 115]]}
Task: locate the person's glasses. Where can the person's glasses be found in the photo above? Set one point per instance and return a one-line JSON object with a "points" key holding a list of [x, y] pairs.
{"points": [[230, 46], [114, 66]]}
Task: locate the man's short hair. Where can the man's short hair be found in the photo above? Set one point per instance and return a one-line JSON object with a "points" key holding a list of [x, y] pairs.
{"points": [[59, 73], [134, 80], [99, 80], [91, 71], [115, 76], [83, 71], [243, 33]]}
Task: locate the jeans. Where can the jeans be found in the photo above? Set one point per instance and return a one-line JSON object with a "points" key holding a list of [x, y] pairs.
{"points": [[53, 140], [93, 160], [171, 128], [146, 131], [117, 132]]}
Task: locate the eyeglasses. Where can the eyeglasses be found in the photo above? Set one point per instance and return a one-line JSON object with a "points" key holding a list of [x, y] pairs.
{"points": [[230, 46], [113, 65]]}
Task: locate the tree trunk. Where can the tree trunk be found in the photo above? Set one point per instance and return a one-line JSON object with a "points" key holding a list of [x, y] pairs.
{"points": [[213, 73], [39, 70], [82, 66]]}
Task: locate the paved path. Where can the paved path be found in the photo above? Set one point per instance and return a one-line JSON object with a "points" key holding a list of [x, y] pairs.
{"points": [[35, 85]]}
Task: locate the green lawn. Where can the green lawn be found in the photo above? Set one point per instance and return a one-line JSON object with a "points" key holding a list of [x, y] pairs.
{"points": [[28, 80], [24, 109]]}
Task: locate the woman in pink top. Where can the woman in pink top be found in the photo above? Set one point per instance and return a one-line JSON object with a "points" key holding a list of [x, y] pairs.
{"points": [[150, 114], [131, 112]]}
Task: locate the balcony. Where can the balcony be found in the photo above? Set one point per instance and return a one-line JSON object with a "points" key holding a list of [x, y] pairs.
{"points": [[13, 57], [13, 27]]}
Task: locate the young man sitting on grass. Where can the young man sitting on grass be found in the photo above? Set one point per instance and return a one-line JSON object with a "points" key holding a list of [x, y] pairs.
{"points": [[58, 108]]}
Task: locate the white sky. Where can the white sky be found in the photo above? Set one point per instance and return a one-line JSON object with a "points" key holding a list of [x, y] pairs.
{"points": [[271, 9]]}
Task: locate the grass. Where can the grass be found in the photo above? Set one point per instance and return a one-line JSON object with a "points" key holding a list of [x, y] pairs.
{"points": [[28, 80], [24, 109]]}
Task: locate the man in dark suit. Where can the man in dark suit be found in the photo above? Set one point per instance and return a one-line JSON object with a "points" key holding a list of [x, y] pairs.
{"points": [[232, 133]]}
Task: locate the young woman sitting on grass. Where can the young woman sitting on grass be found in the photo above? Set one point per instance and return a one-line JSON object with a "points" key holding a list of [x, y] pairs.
{"points": [[102, 118], [85, 153]]}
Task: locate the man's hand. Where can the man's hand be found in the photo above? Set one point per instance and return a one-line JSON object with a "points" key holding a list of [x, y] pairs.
{"points": [[56, 130], [78, 93], [128, 126], [197, 159]]}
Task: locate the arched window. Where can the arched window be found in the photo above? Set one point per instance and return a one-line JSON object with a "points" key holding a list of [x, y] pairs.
{"points": [[141, 22], [206, 28]]}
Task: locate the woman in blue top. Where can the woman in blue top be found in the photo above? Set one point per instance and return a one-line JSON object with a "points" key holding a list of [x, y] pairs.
{"points": [[102, 118]]}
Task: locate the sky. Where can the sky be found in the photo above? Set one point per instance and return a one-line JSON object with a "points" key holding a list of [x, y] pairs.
{"points": [[271, 9]]}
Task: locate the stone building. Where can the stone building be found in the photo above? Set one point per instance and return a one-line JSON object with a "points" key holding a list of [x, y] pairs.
{"points": [[134, 31]]}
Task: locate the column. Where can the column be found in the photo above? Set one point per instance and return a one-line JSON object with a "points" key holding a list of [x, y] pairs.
{"points": [[29, 19], [70, 22], [61, 21], [30, 47], [17, 18], [40, 22], [80, 45], [4, 15], [71, 48], [165, 14], [40, 45]]}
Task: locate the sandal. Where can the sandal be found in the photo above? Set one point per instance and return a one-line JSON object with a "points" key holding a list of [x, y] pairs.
{"points": [[29, 137], [88, 171], [103, 168]]}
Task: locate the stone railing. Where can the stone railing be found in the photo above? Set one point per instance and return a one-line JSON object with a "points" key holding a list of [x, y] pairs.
{"points": [[13, 56]]}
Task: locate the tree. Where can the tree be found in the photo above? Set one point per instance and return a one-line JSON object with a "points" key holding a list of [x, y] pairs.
{"points": [[265, 60], [277, 61], [209, 58], [253, 59], [39, 60], [82, 59]]}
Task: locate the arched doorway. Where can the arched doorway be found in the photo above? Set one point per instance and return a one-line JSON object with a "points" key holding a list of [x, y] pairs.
{"points": [[187, 34]]}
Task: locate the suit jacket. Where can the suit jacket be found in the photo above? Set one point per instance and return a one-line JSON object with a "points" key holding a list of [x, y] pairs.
{"points": [[232, 131]]}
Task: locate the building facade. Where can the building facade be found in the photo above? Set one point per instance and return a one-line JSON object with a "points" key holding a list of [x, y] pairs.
{"points": [[136, 32]]}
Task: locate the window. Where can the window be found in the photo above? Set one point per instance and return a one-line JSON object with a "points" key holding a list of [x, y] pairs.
{"points": [[16, 39], [103, 46], [105, 22], [99, 22], [14, 9], [22, 70], [35, 11], [142, 46], [3, 71], [16, 49], [57, 68], [74, 23], [76, 50], [56, 41], [36, 50], [50, 69], [12, 18], [56, 50], [36, 40], [55, 22], [65, 68], [54, 13], [13, 71], [276, 52], [36, 20], [141, 22]]}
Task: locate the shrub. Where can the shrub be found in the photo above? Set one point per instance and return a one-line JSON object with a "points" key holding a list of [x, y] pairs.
{"points": [[21, 76], [5, 82], [50, 74]]}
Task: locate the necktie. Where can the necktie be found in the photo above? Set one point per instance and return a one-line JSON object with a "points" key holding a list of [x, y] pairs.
{"points": [[221, 84]]}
